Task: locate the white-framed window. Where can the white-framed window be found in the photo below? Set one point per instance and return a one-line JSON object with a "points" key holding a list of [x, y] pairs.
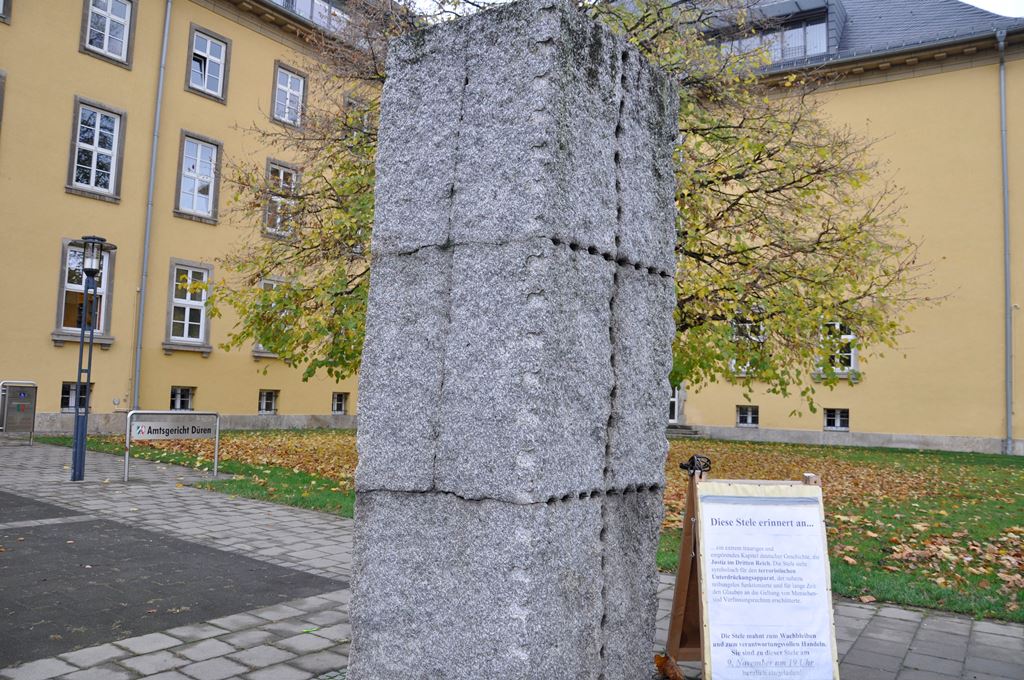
{"points": [[208, 65], [267, 285], [675, 405], [791, 41], [5, 11], [328, 15], [747, 331], [188, 304], [97, 135], [339, 403], [748, 336], [842, 345], [289, 91], [748, 415], [69, 394], [837, 419], [181, 398], [73, 292], [282, 182], [107, 29], [197, 191], [268, 402]]}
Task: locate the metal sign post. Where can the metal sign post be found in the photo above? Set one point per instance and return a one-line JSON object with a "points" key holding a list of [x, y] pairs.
{"points": [[181, 426]]}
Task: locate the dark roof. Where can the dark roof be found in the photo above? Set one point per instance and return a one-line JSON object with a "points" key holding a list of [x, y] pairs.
{"points": [[878, 27], [872, 25]]}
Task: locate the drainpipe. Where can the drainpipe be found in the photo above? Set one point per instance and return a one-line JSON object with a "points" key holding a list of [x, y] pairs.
{"points": [[140, 313], [1007, 293]]}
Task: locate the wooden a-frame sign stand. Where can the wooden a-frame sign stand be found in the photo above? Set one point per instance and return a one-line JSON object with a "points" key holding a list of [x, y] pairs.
{"points": [[687, 622], [686, 625]]}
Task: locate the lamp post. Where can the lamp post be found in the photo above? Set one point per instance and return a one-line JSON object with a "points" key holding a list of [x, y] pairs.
{"points": [[93, 250]]}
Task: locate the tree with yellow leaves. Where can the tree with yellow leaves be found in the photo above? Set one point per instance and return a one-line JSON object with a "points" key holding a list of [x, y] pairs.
{"points": [[789, 248]]}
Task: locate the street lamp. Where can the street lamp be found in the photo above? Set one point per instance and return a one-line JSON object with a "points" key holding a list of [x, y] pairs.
{"points": [[93, 250]]}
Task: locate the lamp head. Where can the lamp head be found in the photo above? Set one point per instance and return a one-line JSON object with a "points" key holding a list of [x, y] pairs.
{"points": [[93, 248]]}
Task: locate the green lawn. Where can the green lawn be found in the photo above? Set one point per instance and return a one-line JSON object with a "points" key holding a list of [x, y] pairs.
{"points": [[924, 528], [273, 483]]}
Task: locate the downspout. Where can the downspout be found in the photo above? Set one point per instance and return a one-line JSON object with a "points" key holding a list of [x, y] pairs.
{"points": [[1008, 447], [140, 314]]}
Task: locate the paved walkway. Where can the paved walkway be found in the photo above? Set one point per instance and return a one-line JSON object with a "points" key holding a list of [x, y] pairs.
{"points": [[307, 637]]}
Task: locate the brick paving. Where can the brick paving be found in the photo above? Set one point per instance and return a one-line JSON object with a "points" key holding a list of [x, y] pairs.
{"points": [[308, 637]]}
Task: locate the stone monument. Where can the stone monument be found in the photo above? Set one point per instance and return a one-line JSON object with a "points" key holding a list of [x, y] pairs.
{"points": [[514, 385]]}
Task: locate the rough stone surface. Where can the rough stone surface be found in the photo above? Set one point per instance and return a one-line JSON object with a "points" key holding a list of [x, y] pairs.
{"points": [[526, 121], [631, 525], [527, 373], [402, 370], [541, 89], [475, 588], [648, 128], [643, 332], [514, 378], [419, 129]]}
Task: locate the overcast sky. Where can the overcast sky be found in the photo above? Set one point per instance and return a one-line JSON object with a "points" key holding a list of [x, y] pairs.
{"points": [[1010, 8]]}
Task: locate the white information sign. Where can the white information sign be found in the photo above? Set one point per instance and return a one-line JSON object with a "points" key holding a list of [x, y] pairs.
{"points": [[767, 595], [173, 430]]}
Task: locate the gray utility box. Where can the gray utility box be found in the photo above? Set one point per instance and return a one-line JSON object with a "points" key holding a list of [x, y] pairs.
{"points": [[17, 407]]}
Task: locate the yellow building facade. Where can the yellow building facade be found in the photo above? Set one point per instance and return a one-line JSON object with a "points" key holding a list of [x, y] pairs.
{"points": [[79, 86], [77, 129], [934, 106]]}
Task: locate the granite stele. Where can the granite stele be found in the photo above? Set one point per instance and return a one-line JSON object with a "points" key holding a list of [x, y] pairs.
{"points": [[514, 384]]}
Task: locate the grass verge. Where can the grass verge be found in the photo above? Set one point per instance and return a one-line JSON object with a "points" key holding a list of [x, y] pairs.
{"points": [[276, 484]]}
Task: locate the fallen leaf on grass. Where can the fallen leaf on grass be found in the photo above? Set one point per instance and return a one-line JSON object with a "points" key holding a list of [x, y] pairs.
{"points": [[866, 599], [667, 667], [849, 560]]}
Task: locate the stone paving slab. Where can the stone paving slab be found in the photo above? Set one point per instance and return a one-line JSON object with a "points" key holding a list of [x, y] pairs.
{"points": [[323, 654], [308, 637], [220, 654], [158, 498]]}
